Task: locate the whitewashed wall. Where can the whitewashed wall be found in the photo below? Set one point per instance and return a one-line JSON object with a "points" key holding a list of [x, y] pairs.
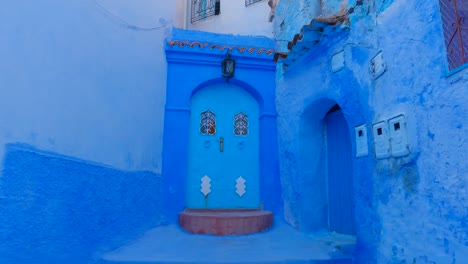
{"points": [[86, 78], [235, 18]]}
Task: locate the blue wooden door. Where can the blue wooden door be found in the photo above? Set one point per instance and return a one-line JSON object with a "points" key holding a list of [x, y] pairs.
{"points": [[340, 171], [223, 147]]}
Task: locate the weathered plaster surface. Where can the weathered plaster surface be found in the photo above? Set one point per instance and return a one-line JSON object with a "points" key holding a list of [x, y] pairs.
{"points": [[59, 209], [284, 21], [408, 210], [84, 80]]}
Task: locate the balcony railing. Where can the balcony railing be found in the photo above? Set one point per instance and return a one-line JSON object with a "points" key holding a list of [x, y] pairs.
{"points": [[202, 9], [249, 2]]}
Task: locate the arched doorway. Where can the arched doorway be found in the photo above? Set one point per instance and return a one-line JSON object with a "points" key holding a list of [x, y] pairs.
{"points": [[190, 70], [340, 173], [223, 167], [326, 164]]}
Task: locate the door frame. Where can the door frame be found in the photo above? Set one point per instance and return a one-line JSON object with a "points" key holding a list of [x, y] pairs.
{"points": [[334, 113], [245, 103], [191, 68], [312, 160]]}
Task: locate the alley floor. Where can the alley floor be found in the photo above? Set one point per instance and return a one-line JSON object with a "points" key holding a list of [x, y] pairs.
{"points": [[281, 244]]}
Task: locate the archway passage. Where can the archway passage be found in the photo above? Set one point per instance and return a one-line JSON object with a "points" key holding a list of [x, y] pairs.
{"points": [[340, 173]]}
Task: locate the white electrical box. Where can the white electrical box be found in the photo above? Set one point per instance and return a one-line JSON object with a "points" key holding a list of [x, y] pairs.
{"points": [[361, 141], [398, 136], [377, 66], [381, 140]]}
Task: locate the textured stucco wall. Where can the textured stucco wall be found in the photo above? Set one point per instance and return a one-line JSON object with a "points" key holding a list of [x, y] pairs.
{"points": [[411, 209], [58, 209], [85, 78], [82, 84], [288, 15]]}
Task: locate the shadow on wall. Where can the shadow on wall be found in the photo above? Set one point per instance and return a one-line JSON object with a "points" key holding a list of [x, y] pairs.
{"points": [[62, 208]]}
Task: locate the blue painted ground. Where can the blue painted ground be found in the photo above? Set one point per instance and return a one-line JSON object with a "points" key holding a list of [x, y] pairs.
{"points": [[282, 244]]}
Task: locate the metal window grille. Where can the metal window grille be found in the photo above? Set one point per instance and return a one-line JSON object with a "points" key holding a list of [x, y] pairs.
{"points": [[249, 2], [202, 9], [208, 123], [454, 13], [241, 124]]}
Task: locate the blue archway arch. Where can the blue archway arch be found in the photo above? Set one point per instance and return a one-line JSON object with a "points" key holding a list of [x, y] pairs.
{"points": [[239, 83], [313, 152]]}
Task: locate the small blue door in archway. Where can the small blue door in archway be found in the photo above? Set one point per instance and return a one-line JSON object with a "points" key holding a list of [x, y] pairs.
{"points": [[340, 172], [223, 167]]}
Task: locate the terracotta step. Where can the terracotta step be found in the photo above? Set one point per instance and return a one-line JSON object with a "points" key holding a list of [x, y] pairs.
{"points": [[224, 222]]}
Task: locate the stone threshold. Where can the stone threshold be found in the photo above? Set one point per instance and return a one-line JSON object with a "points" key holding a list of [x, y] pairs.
{"points": [[222, 222]]}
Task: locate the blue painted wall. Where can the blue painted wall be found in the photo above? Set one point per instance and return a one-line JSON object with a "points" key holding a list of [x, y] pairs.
{"points": [[410, 209], [58, 209], [84, 81], [191, 68]]}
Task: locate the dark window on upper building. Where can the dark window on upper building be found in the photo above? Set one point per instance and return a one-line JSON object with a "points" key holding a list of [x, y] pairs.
{"points": [[202, 9], [454, 18], [249, 2]]}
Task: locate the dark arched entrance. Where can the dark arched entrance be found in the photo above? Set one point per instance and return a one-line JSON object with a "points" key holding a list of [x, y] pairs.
{"points": [[340, 173]]}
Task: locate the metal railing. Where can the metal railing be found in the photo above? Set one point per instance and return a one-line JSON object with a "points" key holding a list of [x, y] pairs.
{"points": [[454, 14], [249, 2], [202, 9]]}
